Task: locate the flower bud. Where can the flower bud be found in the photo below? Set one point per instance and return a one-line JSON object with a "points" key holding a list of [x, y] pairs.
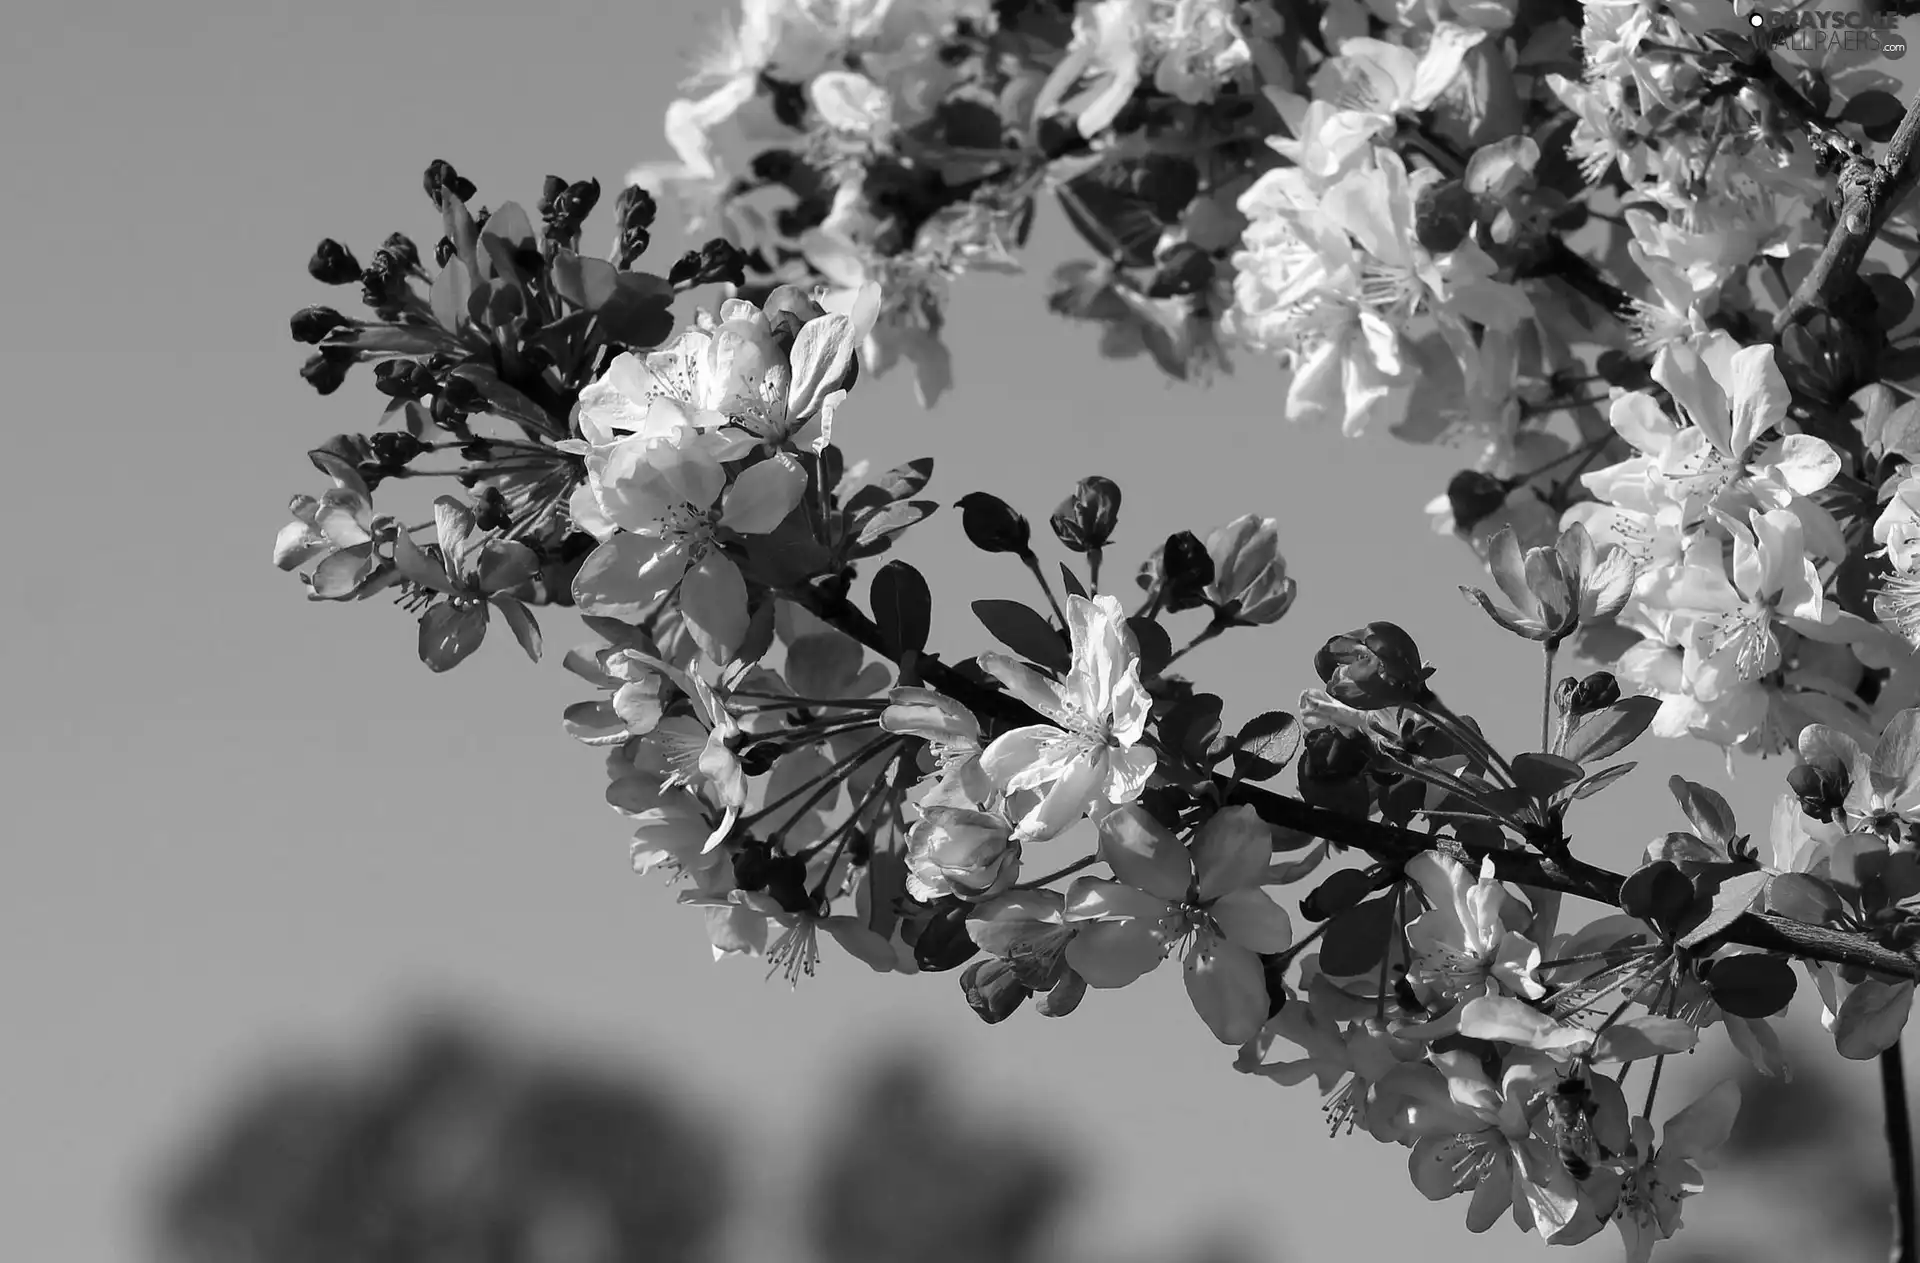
{"points": [[992, 525], [333, 264], [443, 250], [788, 309], [1597, 692], [403, 379], [402, 254], [1373, 667], [441, 177], [1065, 996], [634, 209], [1821, 786], [310, 324], [970, 855], [326, 369], [940, 938], [1332, 771], [1178, 572], [1250, 584], [1085, 520], [992, 989]]}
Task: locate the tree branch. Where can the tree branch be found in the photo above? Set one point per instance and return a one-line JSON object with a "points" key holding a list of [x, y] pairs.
{"points": [[1869, 192], [1390, 843]]}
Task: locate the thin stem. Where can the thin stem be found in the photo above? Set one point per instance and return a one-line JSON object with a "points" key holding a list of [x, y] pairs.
{"points": [[1546, 701], [1893, 1096], [1068, 871], [1032, 563], [1213, 629], [1093, 571], [1653, 1086]]}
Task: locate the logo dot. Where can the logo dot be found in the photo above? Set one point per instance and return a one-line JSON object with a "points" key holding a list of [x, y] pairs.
{"points": [[1756, 21]]}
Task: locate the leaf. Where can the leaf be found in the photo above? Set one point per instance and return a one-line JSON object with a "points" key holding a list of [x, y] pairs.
{"points": [[897, 483], [452, 293], [1355, 940], [1154, 645], [1544, 775], [1877, 112], [450, 633], [520, 620], [1658, 893], [1338, 892], [1071, 581], [1601, 779], [504, 401], [1265, 745], [506, 240], [587, 283], [1192, 727], [1803, 898], [639, 313], [1711, 816], [1024, 631], [902, 608], [1611, 729], [1871, 1019], [1735, 896], [1752, 985], [875, 530]]}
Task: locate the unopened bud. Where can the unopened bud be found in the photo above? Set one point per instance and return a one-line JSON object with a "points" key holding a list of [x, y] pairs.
{"points": [[441, 178], [401, 253], [994, 526], [395, 448], [992, 990], [1181, 571], [1474, 497], [333, 264], [403, 379], [1597, 692], [719, 262], [310, 324], [1250, 583], [1086, 519], [1373, 667], [1443, 215], [1821, 786], [326, 369], [636, 209]]}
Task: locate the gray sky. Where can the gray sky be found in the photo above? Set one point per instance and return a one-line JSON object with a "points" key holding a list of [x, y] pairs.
{"points": [[238, 823]]}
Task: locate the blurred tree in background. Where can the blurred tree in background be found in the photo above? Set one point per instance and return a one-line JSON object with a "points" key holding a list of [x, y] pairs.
{"points": [[456, 1148]]}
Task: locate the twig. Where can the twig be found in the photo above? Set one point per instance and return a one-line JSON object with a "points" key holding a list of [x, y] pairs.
{"points": [[1869, 193], [1893, 1097], [1391, 844]]}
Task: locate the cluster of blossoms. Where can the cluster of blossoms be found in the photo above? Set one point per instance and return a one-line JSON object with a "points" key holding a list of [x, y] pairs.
{"points": [[1590, 244]]}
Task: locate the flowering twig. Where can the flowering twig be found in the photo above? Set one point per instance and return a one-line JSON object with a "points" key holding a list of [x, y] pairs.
{"points": [[1869, 192]]}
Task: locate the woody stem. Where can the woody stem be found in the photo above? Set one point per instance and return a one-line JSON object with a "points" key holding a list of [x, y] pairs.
{"points": [[1893, 1095]]}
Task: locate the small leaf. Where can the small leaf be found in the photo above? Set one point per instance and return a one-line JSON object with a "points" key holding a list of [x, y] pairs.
{"points": [[1657, 893], [1265, 745], [1711, 816], [1752, 986], [639, 313], [897, 483], [1803, 898], [943, 942], [1601, 779], [1871, 1019], [452, 292], [1877, 112], [520, 620], [1544, 775], [1071, 581], [449, 633], [1355, 940], [1735, 896], [585, 282], [1338, 892], [1611, 729], [902, 608], [1153, 643], [1192, 728], [1024, 631]]}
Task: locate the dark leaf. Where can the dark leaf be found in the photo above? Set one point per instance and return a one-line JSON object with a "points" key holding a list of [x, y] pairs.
{"points": [[1605, 732], [1192, 727], [1358, 938], [587, 283], [1071, 581], [1657, 893], [1544, 775], [1805, 899], [1266, 745], [902, 608], [1877, 112], [1026, 632], [1340, 891], [639, 313], [503, 400], [943, 942], [1154, 645], [1752, 986]]}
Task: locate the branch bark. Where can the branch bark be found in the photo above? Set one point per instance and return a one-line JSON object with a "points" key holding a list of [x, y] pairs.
{"points": [[1893, 1098], [1390, 843], [1869, 193]]}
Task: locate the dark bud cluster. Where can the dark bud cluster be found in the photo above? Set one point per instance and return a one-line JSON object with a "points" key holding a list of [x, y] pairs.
{"points": [[1474, 497], [564, 207], [403, 379], [441, 178], [1821, 786], [994, 526], [333, 264], [1178, 574], [310, 324], [1373, 667], [635, 210], [1596, 692], [719, 262], [327, 368]]}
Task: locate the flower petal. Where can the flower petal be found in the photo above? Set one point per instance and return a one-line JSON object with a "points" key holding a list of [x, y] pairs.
{"points": [[713, 601], [623, 577], [1114, 953], [1228, 988], [1249, 917], [1145, 854], [1232, 850], [763, 495]]}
